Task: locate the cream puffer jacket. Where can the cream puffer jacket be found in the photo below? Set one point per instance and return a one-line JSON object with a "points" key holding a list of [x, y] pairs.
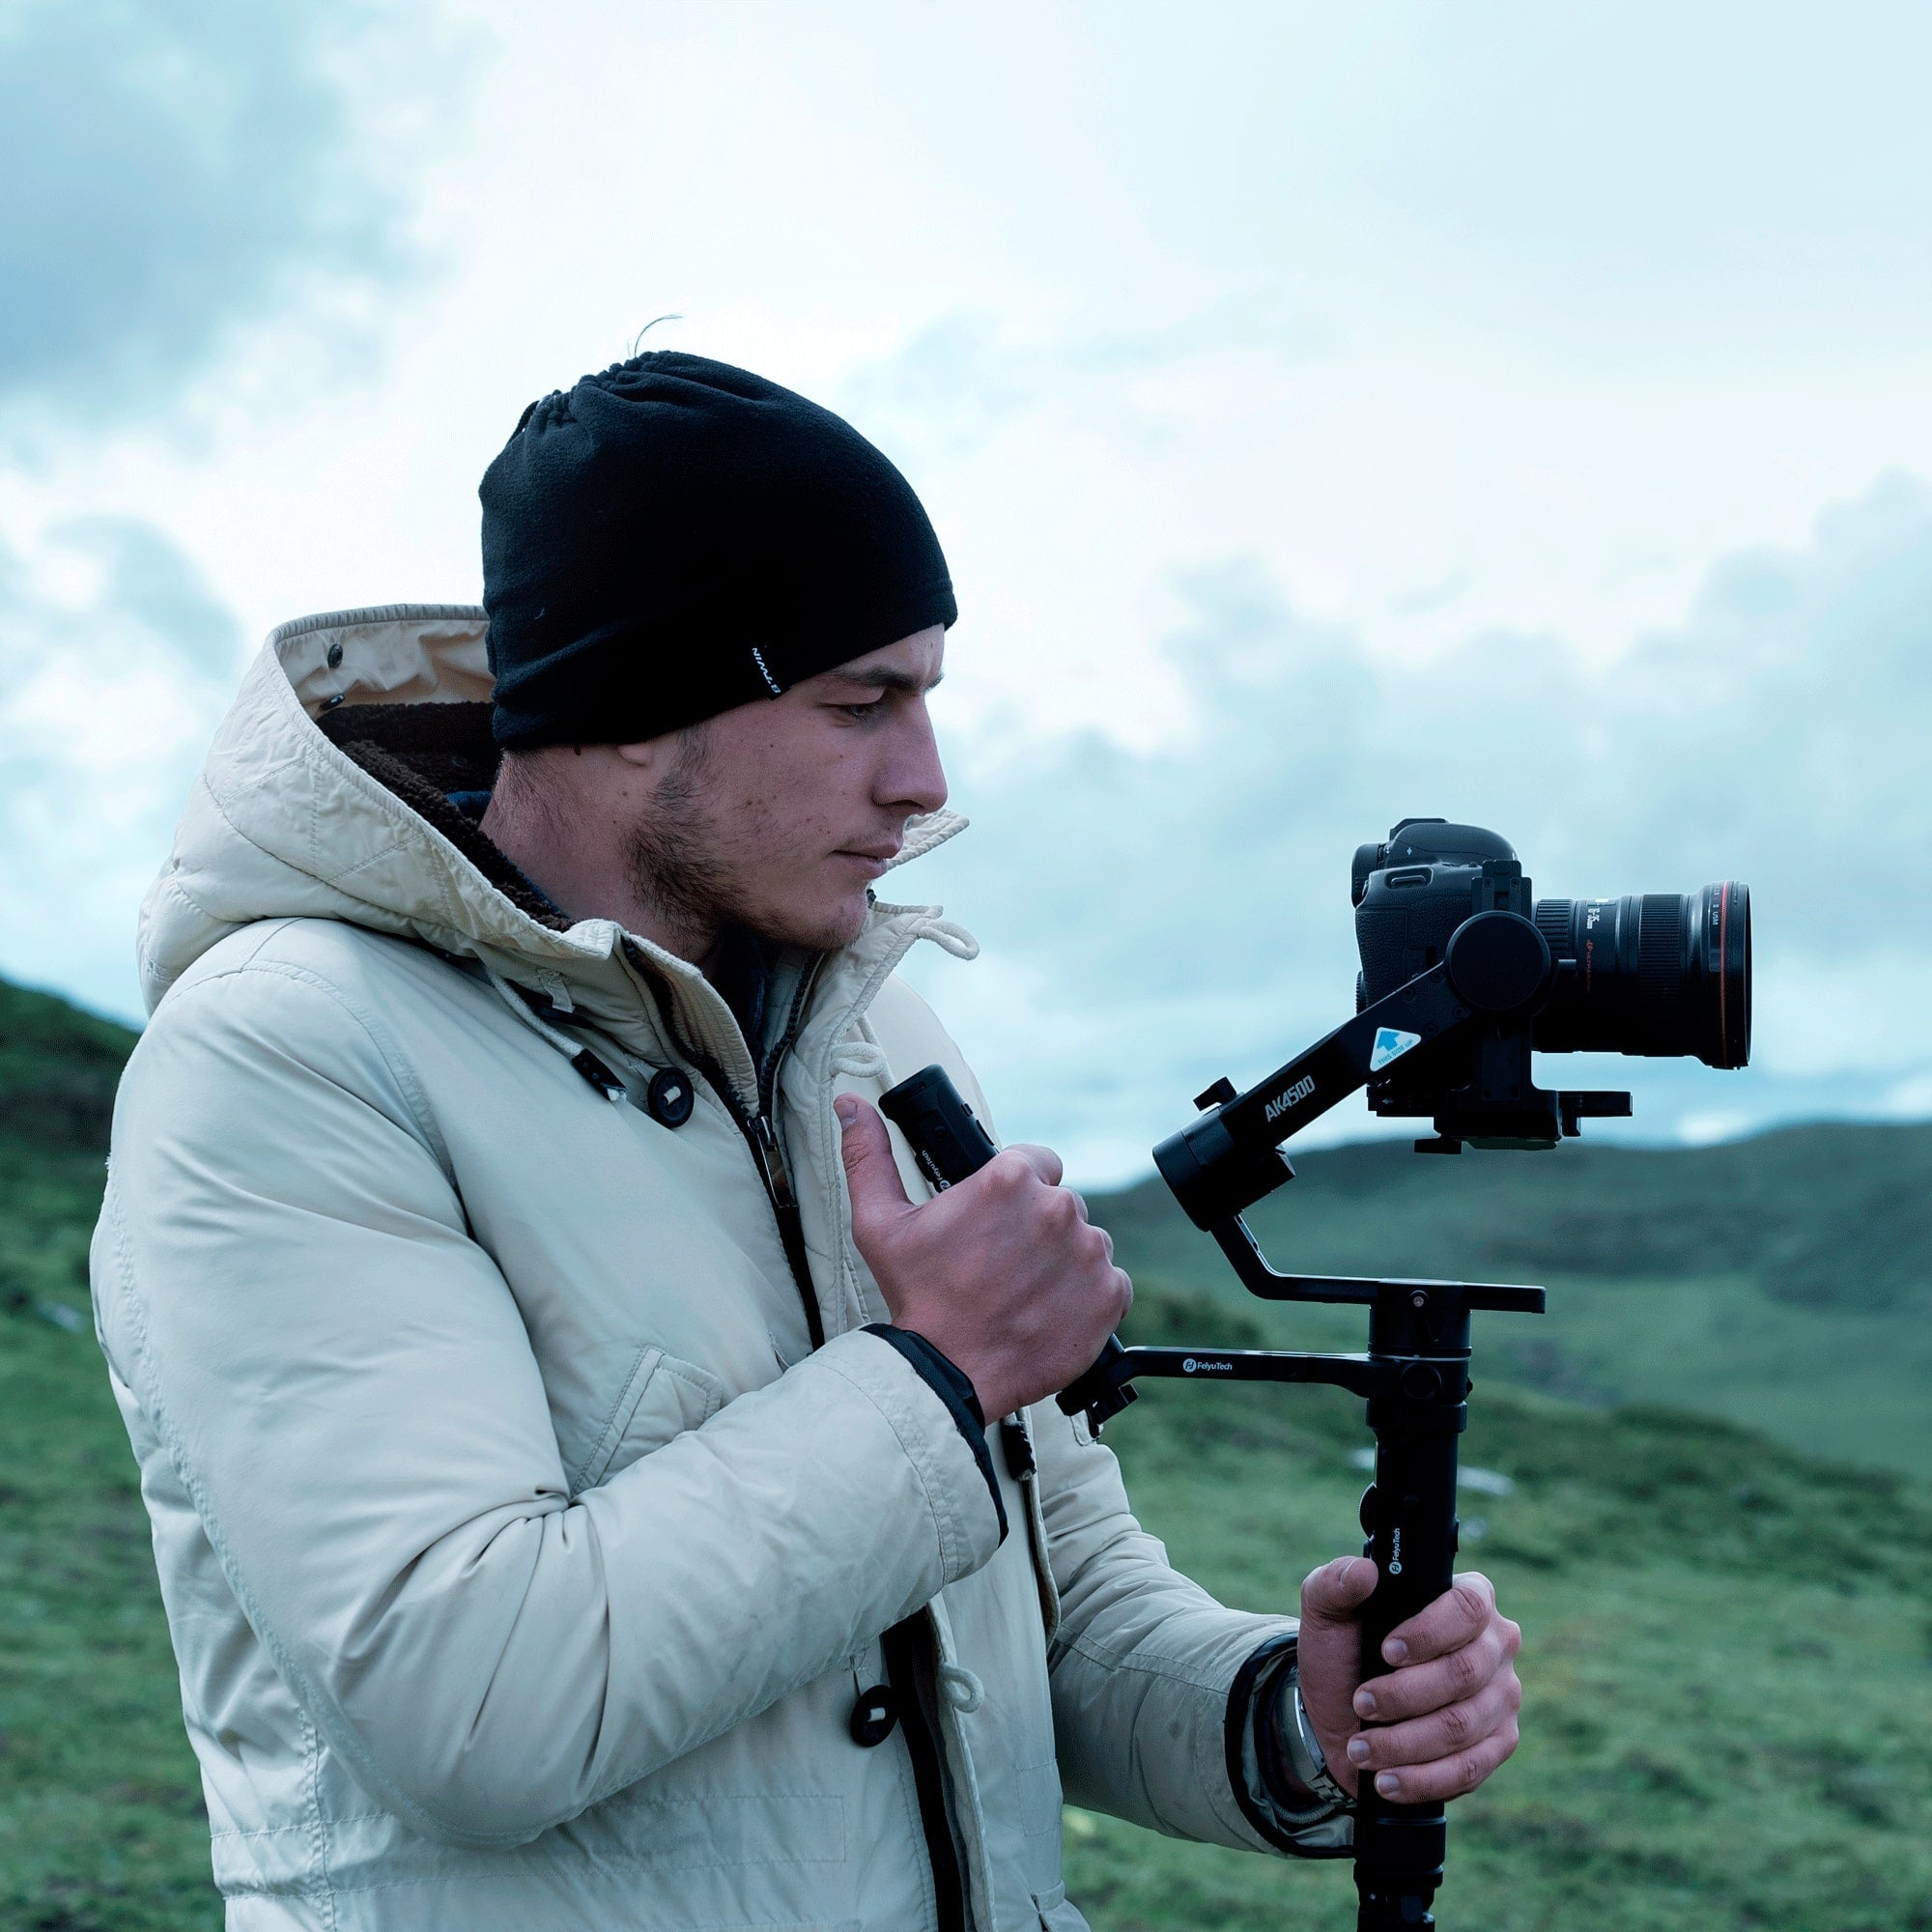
{"points": [[524, 1557]]}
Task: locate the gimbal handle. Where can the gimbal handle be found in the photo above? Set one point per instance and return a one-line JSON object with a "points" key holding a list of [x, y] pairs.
{"points": [[949, 1142], [1415, 1378]]}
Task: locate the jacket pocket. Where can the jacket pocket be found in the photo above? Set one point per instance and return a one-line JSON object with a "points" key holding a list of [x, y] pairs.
{"points": [[1057, 1913], [662, 1398]]}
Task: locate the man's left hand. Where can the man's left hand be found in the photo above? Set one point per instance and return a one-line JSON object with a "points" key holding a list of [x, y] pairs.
{"points": [[1438, 1723]]}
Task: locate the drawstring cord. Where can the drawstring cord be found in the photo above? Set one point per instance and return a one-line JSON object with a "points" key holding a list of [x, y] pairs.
{"points": [[512, 998], [588, 1064], [862, 1060], [949, 936], [963, 1690]]}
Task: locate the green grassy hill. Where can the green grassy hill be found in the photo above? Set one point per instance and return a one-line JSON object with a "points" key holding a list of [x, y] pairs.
{"points": [[101, 1827], [1729, 1661], [1783, 1281]]}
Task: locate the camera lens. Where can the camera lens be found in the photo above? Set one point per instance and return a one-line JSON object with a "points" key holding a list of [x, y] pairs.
{"points": [[1659, 974]]}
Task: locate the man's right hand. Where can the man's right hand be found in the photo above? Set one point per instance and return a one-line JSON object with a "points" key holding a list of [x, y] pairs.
{"points": [[1003, 1272]]}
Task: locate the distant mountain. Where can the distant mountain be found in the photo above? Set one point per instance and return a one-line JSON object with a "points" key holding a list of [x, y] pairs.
{"points": [[1785, 1282], [58, 1066]]}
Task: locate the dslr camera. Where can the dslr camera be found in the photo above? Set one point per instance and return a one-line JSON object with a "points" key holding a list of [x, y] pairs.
{"points": [[1663, 974]]}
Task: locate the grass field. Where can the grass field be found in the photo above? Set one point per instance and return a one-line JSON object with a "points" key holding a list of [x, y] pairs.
{"points": [[1729, 1661], [1728, 1666]]}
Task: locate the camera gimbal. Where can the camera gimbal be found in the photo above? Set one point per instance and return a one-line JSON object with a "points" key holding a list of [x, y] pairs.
{"points": [[1415, 1372], [1465, 974]]}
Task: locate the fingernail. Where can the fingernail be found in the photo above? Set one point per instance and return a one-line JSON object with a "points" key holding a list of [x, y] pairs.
{"points": [[1388, 1784], [1359, 1750], [1365, 1703], [846, 1108], [1394, 1651]]}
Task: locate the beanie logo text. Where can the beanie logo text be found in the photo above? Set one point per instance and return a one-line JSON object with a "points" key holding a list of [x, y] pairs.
{"points": [[772, 684]]}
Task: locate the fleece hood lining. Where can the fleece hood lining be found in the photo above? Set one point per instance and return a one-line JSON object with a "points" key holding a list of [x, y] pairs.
{"points": [[421, 753]]}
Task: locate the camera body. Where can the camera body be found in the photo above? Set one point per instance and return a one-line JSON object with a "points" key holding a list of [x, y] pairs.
{"points": [[1656, 974]]}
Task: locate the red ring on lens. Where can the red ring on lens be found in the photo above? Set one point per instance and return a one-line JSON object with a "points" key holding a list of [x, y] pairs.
{"points": [[1723, 964]]}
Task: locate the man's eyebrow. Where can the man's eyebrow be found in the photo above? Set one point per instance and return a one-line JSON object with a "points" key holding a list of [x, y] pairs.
{"points": [[886, 677]]}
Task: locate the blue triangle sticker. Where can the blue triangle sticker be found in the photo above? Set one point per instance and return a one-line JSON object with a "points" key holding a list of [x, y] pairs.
{"points": [[1391, 1045]]}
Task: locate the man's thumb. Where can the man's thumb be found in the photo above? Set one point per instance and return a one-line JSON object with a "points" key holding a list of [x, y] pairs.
{"points": [[1335, 1592], [871, 1175]]}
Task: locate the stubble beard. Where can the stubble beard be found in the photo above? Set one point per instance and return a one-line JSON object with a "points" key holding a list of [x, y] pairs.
{"points": [[677, 869], [672, 861]]}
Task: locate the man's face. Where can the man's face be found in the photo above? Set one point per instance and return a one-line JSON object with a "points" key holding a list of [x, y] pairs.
{"points": [[778, 816]]}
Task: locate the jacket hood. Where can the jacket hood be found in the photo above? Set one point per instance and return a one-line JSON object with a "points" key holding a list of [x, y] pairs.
{"points": [[324, 796]]}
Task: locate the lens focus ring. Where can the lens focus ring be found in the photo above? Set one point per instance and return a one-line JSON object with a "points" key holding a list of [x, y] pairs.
{"points": [[1660, 945], [1658, 974]]}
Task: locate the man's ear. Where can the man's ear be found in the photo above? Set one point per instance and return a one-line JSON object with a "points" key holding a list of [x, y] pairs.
{"points": [[682, 750], [651, 759]]}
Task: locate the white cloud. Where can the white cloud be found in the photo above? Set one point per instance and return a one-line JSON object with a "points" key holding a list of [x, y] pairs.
{"points": [[109, 687], [1154, 917], [177, 173], [1911, 1099]]}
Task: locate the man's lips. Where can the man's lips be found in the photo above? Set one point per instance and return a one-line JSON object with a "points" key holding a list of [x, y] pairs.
{"points": [[874, 858]]}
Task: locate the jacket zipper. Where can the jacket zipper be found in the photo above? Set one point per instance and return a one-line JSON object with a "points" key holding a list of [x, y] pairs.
{"points": [[906, 1645], [911, 1648], [769, 1153], [760, 1136], [911, 1653], [763, 1140]]}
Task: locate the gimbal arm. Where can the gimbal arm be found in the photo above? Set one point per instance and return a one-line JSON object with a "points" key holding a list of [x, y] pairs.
{"points": [[1498, 969], [1416, 1372], [1229, 1159]]}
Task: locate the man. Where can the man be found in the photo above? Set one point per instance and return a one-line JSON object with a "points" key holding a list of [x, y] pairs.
{"points": [[593, 1485]]}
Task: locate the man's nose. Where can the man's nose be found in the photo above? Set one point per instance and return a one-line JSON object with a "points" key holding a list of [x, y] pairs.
{"points": [[915, 779]]}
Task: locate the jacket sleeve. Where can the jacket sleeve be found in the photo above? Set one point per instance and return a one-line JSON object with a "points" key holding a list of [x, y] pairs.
{"points": [[341, 1378], [1154, 1681]]}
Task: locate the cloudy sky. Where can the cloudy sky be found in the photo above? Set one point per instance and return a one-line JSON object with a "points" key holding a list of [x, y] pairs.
{"points": [[1332, 413]]}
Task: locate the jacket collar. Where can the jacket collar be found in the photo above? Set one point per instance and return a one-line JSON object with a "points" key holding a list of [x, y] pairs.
{"points": [[324, 795]]}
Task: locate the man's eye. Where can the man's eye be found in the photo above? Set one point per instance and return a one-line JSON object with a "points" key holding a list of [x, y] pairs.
{"points": [[869, 708]]}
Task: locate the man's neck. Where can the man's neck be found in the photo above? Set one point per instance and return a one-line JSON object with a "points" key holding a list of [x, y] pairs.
{"points": [[585, 882]]}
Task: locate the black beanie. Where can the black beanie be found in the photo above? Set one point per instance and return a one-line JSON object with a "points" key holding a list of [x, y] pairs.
{"points": [[676, 538]]}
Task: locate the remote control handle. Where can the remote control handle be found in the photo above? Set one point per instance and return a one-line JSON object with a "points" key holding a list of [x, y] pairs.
{"points": [[944, 1134], [949, 1142]]}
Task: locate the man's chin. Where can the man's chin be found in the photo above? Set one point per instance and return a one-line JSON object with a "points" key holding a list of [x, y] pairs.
{"points": [[818, 929]]}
